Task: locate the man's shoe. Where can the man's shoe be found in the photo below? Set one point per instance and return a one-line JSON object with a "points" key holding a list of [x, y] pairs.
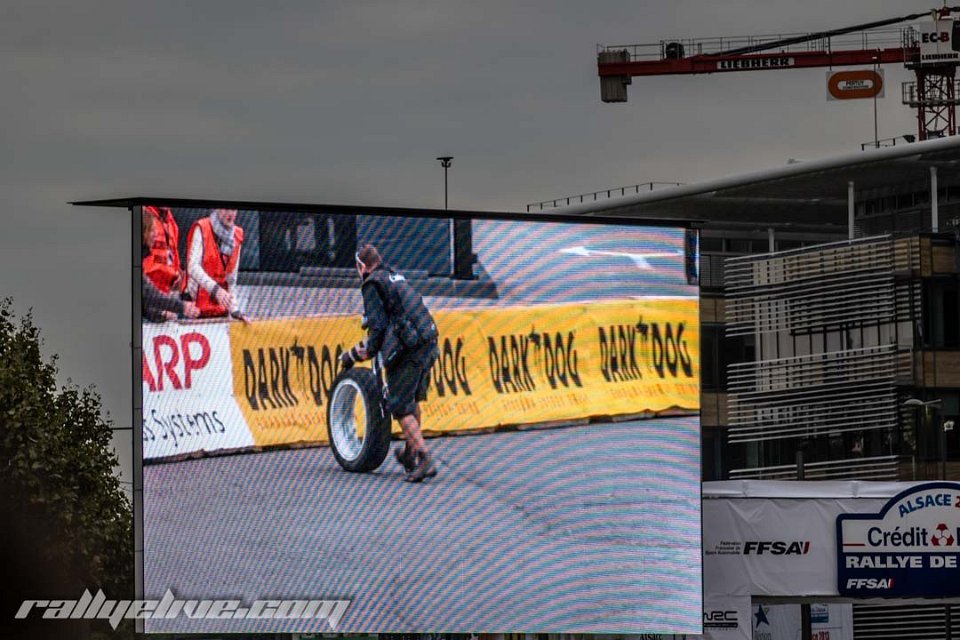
{"points": [[405, 458], [424, 469]]}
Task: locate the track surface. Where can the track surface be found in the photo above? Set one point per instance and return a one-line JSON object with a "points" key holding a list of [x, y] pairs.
{"points": [[580, 529], [530, 264]]}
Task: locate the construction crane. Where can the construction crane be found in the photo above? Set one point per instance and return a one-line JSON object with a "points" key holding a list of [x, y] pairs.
{"points": [[931, 50]]}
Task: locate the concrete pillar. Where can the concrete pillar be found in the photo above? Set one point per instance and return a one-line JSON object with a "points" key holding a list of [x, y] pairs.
{"points": [[934, 201], [850, 209]]}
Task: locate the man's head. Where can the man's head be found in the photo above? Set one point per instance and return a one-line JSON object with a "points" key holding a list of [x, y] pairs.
{"points": [[368, 259], [227, 217]]}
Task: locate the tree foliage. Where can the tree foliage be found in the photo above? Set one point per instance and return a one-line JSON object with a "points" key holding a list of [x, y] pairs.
{"points": [[67, 525]]}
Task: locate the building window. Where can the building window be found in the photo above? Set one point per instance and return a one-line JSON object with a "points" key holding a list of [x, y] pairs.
{"points": [[743, 245], [709, 358], [787, 245], [718, 351], [712, 453], [711, 245], [941, 314]]}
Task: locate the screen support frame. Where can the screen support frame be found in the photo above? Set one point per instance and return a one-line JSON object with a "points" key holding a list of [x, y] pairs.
{"points": [[136, 365]]}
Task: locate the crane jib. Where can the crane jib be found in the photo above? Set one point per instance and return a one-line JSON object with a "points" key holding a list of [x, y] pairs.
{"points": [[931, 50]]}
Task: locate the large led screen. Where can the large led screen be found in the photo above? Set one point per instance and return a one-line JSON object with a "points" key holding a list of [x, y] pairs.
{"points": [[374, 423]]}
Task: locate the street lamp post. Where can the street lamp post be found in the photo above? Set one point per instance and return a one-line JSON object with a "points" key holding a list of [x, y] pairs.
{"points": [[445, 163], [943, 428]]}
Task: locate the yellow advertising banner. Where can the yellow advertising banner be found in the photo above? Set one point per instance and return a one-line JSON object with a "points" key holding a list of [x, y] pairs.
{"points": [[497, 366]]}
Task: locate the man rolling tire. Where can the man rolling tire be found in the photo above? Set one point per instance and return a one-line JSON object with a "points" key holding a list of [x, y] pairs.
{"points": [[402, 332]]}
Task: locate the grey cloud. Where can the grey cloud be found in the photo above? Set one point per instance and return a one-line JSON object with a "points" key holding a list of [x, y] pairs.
{"points": [[350, 102]]}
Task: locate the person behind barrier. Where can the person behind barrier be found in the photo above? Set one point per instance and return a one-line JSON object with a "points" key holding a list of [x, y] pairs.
{"points": [[161, 260], [159, 305], [213, 254], [401, 330]]}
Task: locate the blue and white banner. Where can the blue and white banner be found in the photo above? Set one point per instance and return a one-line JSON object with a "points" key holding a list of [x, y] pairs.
{"points": [[909, 548]]}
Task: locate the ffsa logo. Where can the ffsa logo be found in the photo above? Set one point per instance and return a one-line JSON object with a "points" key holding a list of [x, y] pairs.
{"points": [[720, 619], [870, 583], [776, 547]]}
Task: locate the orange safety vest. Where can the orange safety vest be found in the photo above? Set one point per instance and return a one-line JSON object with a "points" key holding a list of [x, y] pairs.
{"points": [[162, 264], [216, 265]]}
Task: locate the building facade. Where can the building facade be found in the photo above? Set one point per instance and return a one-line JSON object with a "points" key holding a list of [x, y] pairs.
{"points": [[830, 319]]}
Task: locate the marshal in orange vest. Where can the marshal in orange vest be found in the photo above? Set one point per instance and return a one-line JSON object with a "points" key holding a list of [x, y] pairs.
{"points": [[215, 264], [162, 263]]}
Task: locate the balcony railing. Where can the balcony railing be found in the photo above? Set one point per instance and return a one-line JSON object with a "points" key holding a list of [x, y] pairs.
{"points": [[876, 468], [824, 393], [605, 194], [810, 289]]}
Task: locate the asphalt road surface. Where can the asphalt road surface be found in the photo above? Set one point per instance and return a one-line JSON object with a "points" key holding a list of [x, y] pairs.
{"points": [[580, 529]]}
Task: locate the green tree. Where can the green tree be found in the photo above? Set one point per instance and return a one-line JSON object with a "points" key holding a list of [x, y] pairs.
{"points": [[67, 524]]}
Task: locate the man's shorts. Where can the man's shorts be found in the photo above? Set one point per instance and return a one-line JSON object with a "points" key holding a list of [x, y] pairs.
{"points": [[409, 378]]}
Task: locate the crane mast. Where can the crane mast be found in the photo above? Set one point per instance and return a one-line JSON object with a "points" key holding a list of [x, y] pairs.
{"points": [[931, 50]]}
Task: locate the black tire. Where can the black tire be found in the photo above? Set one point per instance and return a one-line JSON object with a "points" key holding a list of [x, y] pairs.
{"points": [[355, 453]]}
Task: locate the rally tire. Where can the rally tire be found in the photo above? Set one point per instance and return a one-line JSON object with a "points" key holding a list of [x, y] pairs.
{"points": [[358, 453]]}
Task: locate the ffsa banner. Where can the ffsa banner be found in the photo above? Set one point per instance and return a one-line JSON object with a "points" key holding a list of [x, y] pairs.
{"points": [[771, 546]]}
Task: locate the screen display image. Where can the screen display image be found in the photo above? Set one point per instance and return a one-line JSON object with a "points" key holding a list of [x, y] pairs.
{"points": [[359, 422]]}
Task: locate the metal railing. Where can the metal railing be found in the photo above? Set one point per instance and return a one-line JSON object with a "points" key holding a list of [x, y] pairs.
{"points": [[905, 621], [936, 96], [810, 289], [616, 192], [876, 468], [832, 325], [820, 394], [882, 143], [687, 47]]}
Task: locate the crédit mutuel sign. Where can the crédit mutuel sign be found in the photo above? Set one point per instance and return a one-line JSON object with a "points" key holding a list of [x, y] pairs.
{"points": [[910, 548]]}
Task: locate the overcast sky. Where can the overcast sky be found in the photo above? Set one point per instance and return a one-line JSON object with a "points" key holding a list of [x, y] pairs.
{"points": [[350, 103]]}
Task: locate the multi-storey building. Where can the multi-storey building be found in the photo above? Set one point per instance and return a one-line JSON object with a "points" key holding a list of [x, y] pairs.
{"points": [[829, 301], [830, 313]]}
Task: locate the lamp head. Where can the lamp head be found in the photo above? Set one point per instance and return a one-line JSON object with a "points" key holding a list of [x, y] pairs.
{"points": [[914, 402]]}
